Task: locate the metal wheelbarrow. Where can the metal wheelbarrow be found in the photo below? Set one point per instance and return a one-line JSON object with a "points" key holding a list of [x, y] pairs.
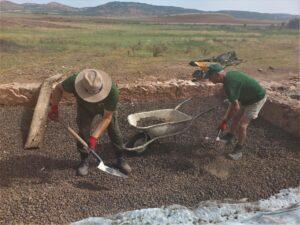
{"points": [[175, 122]]}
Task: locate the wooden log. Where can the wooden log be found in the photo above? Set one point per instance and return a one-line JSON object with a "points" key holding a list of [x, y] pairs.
{"points": [[39, 119]]}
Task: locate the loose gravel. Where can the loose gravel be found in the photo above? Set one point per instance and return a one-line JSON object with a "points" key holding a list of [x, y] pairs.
{"points": [[41, 186], [149, 121]]}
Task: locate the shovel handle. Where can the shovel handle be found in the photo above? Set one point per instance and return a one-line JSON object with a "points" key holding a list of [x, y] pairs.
{"points": [[218, 135], [96, 156], [75, 135]]}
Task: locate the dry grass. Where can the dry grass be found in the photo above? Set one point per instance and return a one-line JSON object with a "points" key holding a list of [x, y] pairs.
{"points": [[126, 49]]}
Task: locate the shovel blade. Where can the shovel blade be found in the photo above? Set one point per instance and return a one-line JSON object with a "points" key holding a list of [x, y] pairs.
{"points": [[111, 171]]}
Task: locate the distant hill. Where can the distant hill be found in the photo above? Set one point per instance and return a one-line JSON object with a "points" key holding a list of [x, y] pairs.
{"points": [[203, 18], [258, 16], [50, 8], [128, 9], [111, 9], [6, 6], [132, 9]]}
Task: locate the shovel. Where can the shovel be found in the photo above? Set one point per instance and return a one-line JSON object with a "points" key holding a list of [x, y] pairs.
{"points": [[218, 135], [101, 165]]}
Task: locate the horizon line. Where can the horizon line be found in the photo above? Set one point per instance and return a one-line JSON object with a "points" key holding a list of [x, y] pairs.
{"points": [[78, 7]]}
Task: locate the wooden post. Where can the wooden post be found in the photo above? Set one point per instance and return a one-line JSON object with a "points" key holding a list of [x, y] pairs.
{"points": [[39, 119]]}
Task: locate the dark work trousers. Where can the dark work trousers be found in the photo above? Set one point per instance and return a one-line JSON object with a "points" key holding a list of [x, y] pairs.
{"points": [[84, 122]]}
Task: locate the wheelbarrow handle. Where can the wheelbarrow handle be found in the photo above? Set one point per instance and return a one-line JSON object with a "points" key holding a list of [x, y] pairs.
{"points": [[211, 109], [207, 111], [180, 104]]}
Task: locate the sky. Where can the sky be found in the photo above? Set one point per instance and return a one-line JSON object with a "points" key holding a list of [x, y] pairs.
{"points": [[265, 6]]}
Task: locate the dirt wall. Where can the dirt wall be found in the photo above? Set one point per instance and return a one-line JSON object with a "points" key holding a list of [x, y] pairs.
{"points": [[19, 93], [283, 112], [25, 94], [282, 108]]}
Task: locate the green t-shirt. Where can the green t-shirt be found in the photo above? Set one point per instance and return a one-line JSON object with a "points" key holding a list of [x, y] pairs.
{"points": [[239, 86], [109, 103]]}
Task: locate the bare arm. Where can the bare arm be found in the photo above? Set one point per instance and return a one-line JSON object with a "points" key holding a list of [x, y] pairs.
{"points": [[57, 94], [232, 109], [101, 128]]}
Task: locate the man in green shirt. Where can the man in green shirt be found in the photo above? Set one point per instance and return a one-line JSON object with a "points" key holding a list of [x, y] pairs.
{"points": [[95, 94], [246, 98]]}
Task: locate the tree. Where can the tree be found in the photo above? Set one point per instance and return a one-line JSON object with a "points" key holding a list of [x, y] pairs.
{"points": [[294, 23]]}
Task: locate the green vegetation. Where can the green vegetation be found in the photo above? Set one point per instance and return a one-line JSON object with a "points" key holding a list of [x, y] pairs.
{"points": [[38, 50]]}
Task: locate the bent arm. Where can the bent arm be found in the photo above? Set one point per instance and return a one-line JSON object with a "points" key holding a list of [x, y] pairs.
{"points": [[57, 94], [103, 125], [232, 109]]}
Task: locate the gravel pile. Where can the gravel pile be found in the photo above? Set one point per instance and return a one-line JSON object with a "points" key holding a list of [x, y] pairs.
{"points": [[150, 121], [40, 186]]}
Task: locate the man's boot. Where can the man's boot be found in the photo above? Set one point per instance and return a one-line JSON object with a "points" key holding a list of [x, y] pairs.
{"points": [[123, 166], [83, 167], [237, 152]]}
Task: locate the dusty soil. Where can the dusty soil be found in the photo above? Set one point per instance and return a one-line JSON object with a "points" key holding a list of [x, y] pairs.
{"points": [[156, 71], [23, 22], [145, 122], [40, 186]]}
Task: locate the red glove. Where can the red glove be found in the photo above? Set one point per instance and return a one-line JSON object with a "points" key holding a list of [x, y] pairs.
{"points": [[223, 125], [53, 114], [93, 142]]}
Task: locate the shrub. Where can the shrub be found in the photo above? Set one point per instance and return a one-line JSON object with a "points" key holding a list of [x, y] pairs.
{"points": [[158, 49], [135, 47], [294, 23], [188, 50]]}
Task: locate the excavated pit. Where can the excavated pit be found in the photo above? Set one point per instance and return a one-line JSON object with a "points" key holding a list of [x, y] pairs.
{"points": [[40, 186]]}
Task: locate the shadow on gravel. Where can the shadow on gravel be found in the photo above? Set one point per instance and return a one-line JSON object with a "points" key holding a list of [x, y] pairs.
{"points": [[25, 122], [35, 168], [160, 148], [177, 148], [180, 165], [90, 186]]}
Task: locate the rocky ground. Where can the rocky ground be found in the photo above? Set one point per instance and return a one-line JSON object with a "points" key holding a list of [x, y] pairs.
{"points": [[40, 186]]}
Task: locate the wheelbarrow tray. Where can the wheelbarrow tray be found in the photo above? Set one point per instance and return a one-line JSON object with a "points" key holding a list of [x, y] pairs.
{"points": [[176, 122]]}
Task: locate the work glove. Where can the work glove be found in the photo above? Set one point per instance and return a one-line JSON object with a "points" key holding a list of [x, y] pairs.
{"points": [[93, 143], [223, 125], [53, 114]]}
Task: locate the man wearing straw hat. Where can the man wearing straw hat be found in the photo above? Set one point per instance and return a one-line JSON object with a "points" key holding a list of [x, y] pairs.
{"points": [[95, 94]]}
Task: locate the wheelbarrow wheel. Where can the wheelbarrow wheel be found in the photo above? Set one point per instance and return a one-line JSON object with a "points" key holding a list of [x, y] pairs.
{"points": [[137, 140]]}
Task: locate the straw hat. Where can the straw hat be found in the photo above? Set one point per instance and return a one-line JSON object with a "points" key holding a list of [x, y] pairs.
{"points": [[93, 85]]}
